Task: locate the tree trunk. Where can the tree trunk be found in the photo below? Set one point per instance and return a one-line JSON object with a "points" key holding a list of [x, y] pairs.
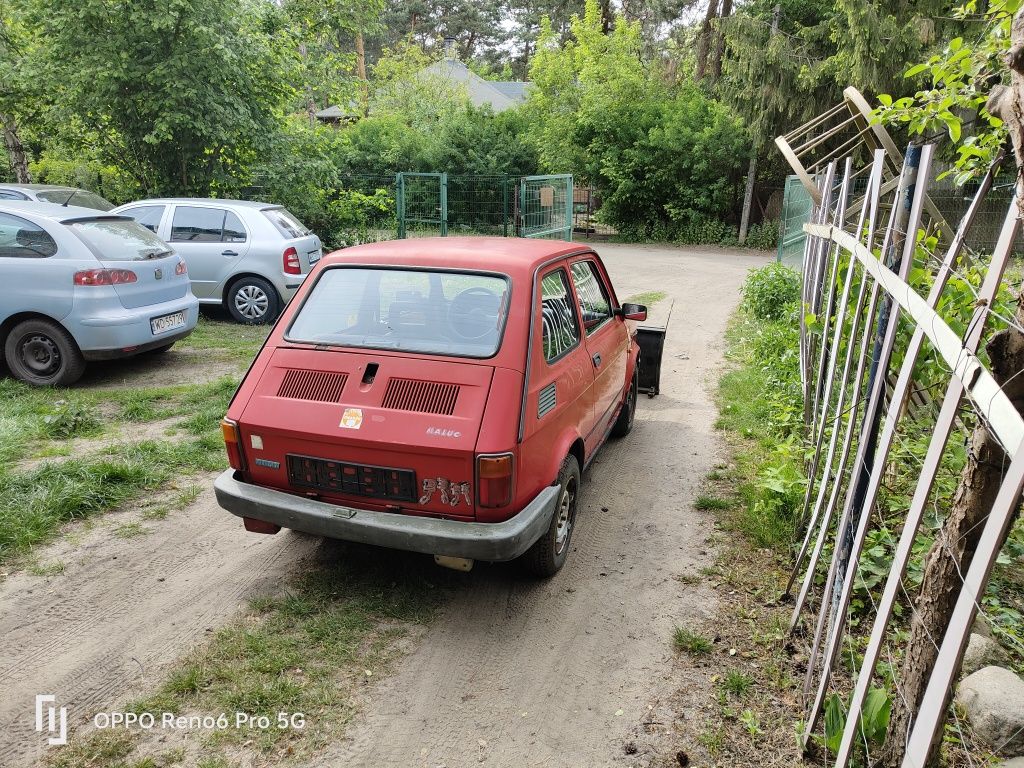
{"points": [[704, 39], [954, 548], [364, 85], [748, 196], [15, 149], [716, 62], [980, 478], [607, 16]]}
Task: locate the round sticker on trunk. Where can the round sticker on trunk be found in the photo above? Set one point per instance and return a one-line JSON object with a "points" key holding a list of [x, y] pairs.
{"points": [[352, 418]]}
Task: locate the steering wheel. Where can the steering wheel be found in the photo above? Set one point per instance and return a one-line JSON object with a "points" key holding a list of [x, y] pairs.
{"points": [[473, 313]]}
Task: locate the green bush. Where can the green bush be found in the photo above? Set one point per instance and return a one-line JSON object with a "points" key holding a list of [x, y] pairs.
{"points": [[763, 236], [770, 290]]}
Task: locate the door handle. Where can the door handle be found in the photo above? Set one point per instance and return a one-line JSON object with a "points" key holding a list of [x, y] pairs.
{"points": [[229, 253], [597, 360]]}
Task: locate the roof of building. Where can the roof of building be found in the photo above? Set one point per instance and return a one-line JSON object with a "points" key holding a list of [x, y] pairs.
{"points": [[517, 257], [499, 95]]}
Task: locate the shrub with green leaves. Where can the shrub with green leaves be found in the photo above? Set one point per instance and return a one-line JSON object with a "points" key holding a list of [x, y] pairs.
{"points": [[769, 291]]}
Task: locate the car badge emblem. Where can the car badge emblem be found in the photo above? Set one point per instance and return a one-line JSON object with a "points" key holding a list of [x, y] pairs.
{"points": [[352, 418], [158, 273]]}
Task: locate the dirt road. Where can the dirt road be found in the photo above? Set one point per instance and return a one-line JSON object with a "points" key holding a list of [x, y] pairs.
{"points": [[512, 672], [517, 673]]}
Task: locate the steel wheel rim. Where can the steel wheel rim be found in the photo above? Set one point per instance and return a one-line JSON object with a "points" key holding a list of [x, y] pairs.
{"points": [[566, 515], [40, 355], [251, 302]]}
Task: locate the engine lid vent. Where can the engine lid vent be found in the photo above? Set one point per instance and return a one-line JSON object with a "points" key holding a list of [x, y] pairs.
{"points": [[421, 396], [321, 386]]}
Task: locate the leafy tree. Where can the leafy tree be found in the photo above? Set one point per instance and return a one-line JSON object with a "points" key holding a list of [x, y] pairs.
{"points": [[181, 95], [664, 158]]}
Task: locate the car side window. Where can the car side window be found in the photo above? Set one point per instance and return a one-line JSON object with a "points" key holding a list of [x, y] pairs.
{"points": [[10, 194], [21, 239], [197, 225], [147, 216], [592, 295], [234, 232], [560, 332]]}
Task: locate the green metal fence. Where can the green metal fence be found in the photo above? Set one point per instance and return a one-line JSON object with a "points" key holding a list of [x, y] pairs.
{"points": [[421, 200], [546, 207], [796, 211], [527, 206]]}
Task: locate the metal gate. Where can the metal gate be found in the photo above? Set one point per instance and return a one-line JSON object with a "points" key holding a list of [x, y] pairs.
{"points": [[545, 207], [422, 203], [796, 211]]}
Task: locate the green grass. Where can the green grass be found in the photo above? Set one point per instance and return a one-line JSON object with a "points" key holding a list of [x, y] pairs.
{"points": [[34, 504], [647, 298], [737, 683], [705, 502], [690, 642]]}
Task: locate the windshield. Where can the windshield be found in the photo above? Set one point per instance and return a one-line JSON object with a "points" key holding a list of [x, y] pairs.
{"points": [[443, 313], [83, 198], [286, 223], [119, 240]]}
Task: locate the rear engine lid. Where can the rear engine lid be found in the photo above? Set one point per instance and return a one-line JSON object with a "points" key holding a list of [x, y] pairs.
{"points": [[142, 268], [396, 432]]}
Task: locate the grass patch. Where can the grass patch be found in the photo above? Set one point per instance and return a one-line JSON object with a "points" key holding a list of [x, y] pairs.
{"points": [[302, 651], [705, 503], [240, 342], [736, 683], [647, 298], [690, 642], [34, 504]]}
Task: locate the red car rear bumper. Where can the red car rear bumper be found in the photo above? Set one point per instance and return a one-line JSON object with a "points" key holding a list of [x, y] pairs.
{"points": [[433, 536]]}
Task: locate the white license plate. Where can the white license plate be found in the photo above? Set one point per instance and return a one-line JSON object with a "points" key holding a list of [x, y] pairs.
{"points": [[314, 257], [167, 323]]}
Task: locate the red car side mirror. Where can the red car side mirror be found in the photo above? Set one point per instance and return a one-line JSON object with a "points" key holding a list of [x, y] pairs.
{"points": [[633, 312]]}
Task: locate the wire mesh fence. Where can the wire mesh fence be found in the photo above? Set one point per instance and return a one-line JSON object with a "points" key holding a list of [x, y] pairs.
{"points": [[908, 530]]}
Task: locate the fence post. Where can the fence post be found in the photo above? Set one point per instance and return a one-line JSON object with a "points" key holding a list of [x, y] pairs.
{"points": [[444, 204], [400, 204], [504, 206], [570, 196]]}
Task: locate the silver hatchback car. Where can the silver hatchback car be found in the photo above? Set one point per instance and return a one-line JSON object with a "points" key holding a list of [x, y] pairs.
{"points": [[80, 284], [251, 257], [54, 193]]}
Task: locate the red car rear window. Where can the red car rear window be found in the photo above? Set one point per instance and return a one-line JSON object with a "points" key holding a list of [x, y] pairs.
{"points": [[414, 310]]}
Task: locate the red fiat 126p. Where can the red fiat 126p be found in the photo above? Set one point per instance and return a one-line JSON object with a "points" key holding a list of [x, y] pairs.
{"points": [[436, 395]]}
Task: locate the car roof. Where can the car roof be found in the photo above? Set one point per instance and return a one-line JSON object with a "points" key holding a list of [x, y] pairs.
{"points": [[55, 212], [42, 187], [203, 201], [515, 256]]}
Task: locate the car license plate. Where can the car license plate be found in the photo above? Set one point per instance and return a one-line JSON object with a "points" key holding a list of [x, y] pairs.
{"points": [[314, 257], [167, 323]]}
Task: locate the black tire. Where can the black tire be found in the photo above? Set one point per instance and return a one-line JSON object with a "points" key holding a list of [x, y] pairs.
{"points": [[547, 556], [252, 301], [42, 353], [624, 424]]}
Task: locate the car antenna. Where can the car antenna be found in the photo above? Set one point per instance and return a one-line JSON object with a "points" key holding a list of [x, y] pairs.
{"points": [[65, 203]]}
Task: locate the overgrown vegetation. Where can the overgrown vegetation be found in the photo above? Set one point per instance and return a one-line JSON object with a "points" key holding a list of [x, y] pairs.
{"points": [[70, 455]]}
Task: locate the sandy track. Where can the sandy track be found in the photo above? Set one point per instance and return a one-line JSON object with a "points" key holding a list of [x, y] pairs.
{"points": [[513, 672], [103, 629], [559, 673]]}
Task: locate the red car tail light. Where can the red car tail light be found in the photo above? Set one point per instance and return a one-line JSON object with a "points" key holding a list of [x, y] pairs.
{"points": [[291, 262], [233, 444], [494, 480], [181, 268], [105, 277]]}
